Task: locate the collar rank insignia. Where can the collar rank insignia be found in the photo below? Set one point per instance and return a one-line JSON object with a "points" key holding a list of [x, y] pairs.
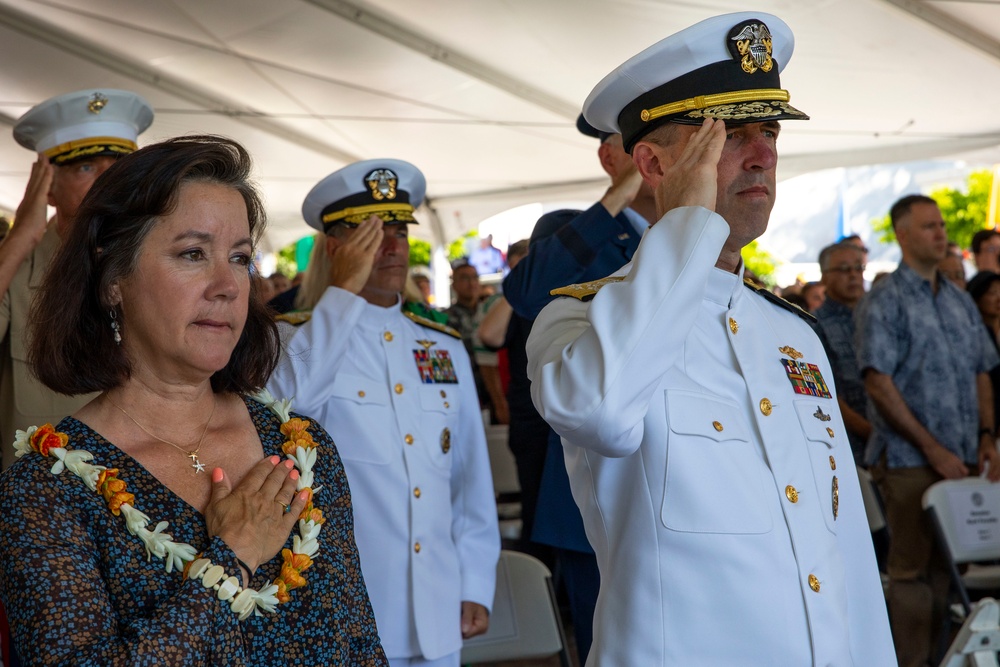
{"points": [[382, 184], [806, 378], [623, 236], [434, 366], [97, 103], [820, 415]]}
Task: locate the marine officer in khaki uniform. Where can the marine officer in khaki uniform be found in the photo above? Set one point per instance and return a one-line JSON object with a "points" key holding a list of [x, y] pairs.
{"points": [[698, 415], [77, 136], [396, 393]]}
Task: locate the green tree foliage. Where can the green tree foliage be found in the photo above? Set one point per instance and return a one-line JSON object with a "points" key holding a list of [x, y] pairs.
{"points": [[286, 261], [964, 213], [457, 248], [420, 252], [761, 262]]}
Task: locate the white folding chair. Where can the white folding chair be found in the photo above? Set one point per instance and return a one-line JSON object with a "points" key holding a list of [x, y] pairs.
{"points": [[977, 643], [869, 496], [524, 623], [505, 483], [966, 516]]}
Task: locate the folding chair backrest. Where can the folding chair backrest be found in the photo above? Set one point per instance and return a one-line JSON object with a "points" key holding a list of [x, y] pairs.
{"points": [[968, 515], [873, 507], [524, 622], [502, 460]]}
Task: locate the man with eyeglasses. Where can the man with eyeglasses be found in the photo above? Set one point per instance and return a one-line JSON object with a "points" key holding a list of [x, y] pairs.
{"points": [[842, 267]]}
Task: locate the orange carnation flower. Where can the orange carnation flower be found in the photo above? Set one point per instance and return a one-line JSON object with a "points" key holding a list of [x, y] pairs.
{"points": [[108, 483], [116, 501], [313, 514], [46, 437], [282, 593], [291, 577], [295, 430], [301, 562]]}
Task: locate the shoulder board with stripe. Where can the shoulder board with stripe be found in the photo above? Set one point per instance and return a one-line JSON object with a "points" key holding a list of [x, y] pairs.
{"points": [[431, 324], [586, 291], [778, 301], [296, 318]]}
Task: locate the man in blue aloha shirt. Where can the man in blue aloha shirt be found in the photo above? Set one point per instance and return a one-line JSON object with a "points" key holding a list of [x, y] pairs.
{"points": [[925, 358]]}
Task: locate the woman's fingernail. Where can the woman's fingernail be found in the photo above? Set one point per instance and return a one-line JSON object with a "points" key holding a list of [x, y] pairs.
{"points": [[217, 475], [289, 463], [303, 495], [294, 474], [274, 460]]}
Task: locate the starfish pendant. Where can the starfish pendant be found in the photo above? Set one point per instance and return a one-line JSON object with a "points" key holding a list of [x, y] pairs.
{"points": [[197, 465]]}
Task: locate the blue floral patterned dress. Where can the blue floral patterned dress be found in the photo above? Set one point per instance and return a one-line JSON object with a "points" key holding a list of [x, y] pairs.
{"points": [[78, 588]]}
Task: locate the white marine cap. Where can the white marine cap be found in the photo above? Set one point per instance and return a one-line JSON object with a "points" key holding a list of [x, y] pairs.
{"points": [[725, 67], [84, 124], [391, 189]]}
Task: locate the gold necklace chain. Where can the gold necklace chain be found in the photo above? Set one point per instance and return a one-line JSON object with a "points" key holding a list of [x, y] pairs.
{"points": [[192, 454]]}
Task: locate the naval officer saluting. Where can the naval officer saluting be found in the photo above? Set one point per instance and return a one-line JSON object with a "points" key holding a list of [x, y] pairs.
{"points": [[699, 419], [396, 393]]}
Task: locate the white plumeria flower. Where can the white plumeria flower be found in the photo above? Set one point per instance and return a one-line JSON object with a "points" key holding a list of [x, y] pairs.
{"points": [[265, 598], [156, 540], [75, 460], [281, 408], [303, 546], [135, 520], [22, 441], [305, 459], [309, 529], [177, 553]]}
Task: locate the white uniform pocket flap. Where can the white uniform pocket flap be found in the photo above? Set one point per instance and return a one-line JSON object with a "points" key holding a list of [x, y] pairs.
{"points": [[360, 390], [696, 415], [439, 398], [817, 420]]}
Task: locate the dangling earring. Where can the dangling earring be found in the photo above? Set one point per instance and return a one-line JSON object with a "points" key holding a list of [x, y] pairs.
{"points": [[115, 327]]}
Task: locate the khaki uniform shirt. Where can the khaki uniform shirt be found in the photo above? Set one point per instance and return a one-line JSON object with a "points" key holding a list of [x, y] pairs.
{"points": [[24, 401]]}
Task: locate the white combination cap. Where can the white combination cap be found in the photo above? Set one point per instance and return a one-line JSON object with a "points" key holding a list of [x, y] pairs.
{"points": [[84, 124], [390, 189], [725, 67]]}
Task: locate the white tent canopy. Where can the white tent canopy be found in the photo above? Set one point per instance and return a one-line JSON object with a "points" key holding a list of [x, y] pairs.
{"points": [[482, 96]]}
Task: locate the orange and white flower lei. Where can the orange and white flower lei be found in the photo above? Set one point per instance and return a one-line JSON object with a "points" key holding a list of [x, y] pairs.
{"points": [[299, 447]]}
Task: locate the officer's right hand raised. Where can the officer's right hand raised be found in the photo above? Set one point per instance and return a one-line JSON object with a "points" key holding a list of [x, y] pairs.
{"points": [[352, 254]]}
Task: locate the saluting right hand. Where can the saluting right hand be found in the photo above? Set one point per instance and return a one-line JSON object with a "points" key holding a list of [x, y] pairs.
{"points": [[624, 188], [31, 216], [352, 260], [692, 180]]}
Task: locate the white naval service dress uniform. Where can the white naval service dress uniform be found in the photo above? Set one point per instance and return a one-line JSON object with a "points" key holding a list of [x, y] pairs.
{"points": [[723, 506], [399, 400]]}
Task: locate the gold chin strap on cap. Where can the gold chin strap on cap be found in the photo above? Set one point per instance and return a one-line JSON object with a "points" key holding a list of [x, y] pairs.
{"points": [[702, 101], [89, 146], [366, 211]]}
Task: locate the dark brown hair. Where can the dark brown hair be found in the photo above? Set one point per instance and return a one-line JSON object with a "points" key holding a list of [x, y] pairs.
{"points": [[903, 206], [71, 344]]}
